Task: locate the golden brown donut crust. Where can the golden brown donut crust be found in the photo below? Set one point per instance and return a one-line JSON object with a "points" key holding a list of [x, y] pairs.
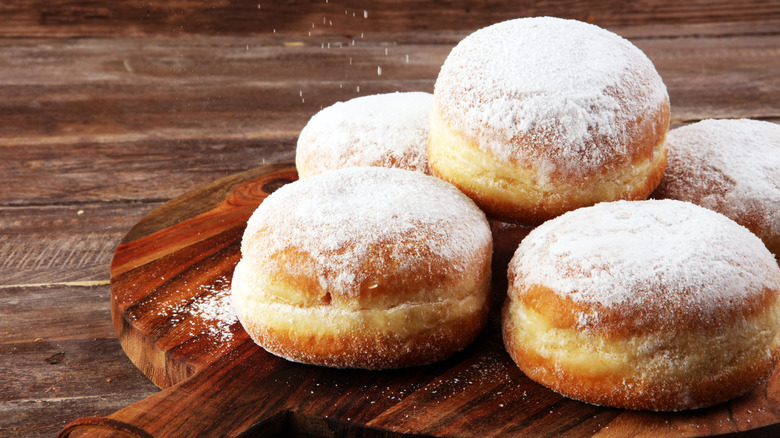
{"points": [[365, 268], [638, 327], [629, 388], [636, 392], [537, 116], [511, 192], [391, 342]]}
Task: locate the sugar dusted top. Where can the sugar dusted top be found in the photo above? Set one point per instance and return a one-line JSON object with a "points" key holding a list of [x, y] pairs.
{"points": [[345, 220], [731, 166], [388, 130], [565, 96], [656, 255]]}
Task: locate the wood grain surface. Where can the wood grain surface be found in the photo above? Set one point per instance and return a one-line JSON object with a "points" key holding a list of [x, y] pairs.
{"points": [[174, 268], [110, 109], [65, 18]]}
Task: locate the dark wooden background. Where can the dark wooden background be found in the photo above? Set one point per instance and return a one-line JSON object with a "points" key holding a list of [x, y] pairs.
{"points": [[110, 108]]}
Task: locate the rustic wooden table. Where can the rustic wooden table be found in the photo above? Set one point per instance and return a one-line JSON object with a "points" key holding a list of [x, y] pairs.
{"points": [[110, 109]]}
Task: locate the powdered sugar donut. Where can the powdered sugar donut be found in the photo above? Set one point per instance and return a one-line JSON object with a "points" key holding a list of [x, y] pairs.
{"points": [[386, 130], [658, 304], [537, 116], [364, 267], [731, 166]]}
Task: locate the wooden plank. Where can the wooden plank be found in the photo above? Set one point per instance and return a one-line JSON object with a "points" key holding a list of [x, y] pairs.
{"points": [[46, 385], [62, 244], [71, 18], [67, 370], [719, 78], [233, 86], [42, 317], [61, 359], [223, 86], [229, 113], [151, 170]]}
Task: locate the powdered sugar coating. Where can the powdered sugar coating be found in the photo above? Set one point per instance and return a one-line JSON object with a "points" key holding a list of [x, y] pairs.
{"points": [[731, 166], [656, 255], [339, 218], [563, 96], [388, 130]]}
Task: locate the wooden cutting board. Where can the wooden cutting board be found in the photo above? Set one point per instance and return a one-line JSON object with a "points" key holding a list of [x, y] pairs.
{"points": [[170, 281]]}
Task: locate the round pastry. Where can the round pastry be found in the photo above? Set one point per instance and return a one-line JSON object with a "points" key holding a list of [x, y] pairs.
{"points": [[731, 166], [364, 267], [659, 305], [384, 130], [533, 117]]}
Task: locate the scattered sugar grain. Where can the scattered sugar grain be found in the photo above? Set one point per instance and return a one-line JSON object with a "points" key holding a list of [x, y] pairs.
{"points": [[209, 312]]}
